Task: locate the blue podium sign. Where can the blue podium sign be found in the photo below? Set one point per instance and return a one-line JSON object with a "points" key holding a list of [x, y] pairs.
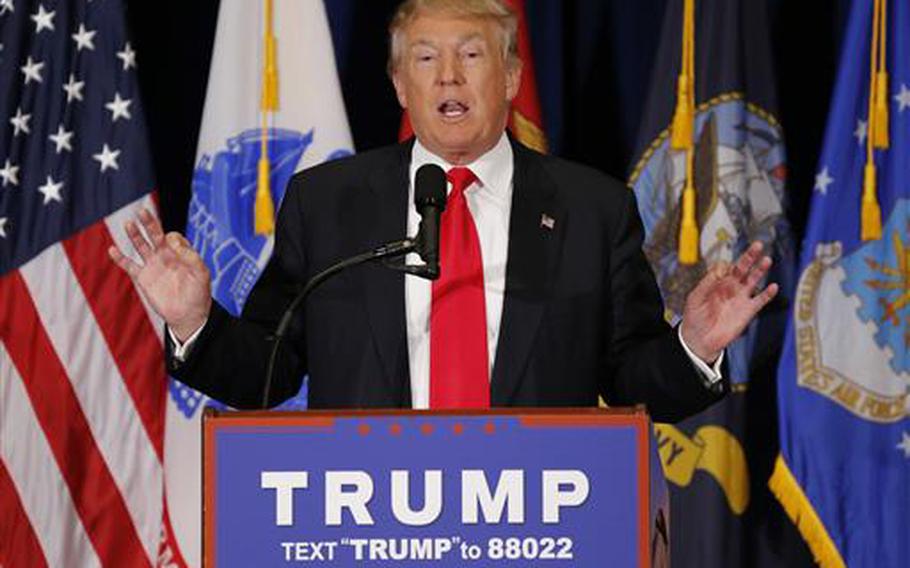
{"points": [[566, 488]]}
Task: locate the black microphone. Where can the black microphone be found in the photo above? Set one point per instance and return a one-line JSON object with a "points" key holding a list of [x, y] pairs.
{"points": [[430, 200]]}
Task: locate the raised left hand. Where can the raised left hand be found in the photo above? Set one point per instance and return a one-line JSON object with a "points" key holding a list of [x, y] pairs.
{"points": [[723, 303]]}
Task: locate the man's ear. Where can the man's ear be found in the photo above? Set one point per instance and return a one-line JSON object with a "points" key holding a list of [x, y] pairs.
{"points": [[513, 78], [398, 83]]}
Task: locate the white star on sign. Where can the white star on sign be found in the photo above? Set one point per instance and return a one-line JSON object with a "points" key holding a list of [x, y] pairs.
{"points": [[9, 173], [119, 108], [32, 70], [51, 190], [903, 98], [862, 128], [83, 38], [6, 6], [107, 158], [62, 139], [905, 444], [3, 227], [73, 89], [20, 122], [128, 56], [822, 181], [43, 20]]}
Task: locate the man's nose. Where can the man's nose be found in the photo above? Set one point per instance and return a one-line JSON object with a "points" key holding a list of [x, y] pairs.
{"points": [[450, 72]]}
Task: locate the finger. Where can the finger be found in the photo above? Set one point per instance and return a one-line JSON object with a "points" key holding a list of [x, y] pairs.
{"points": [[182, 250], [757, 273], [764, 297], [139, 241], [747, 259], [152, 228], [124, 262]]}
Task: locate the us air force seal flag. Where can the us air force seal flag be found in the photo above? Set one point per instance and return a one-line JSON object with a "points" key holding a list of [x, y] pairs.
{"points": [[302, 123], [844, 469], [720, 136]]}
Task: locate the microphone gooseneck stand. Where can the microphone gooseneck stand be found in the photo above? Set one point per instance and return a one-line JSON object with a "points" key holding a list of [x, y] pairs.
{"points": [[430, 201], [384, 252]]}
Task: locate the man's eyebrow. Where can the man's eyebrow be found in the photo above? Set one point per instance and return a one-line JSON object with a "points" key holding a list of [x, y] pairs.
{"points": [[422, 43], [471, 37]]}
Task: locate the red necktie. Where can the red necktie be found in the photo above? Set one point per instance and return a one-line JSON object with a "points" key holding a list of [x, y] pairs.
{"points": [[459, 364]]}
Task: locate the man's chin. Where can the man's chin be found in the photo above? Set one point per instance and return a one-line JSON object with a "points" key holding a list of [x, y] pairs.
{"points": [[460, 149]]}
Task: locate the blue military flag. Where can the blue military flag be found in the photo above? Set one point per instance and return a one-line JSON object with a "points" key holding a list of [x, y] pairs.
{"points": [[844, 469], [710, 130]]}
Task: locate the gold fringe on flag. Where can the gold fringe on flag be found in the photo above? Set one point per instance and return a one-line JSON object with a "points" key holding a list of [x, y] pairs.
{"points": [[877, 124], [798, 507], [683, 135], [265, 207]]}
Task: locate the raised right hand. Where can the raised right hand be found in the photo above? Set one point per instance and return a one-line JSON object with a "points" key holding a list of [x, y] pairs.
{"points": [[172, 276]]}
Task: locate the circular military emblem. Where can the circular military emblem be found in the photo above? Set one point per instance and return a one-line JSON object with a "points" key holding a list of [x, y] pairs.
{"points": [[739, 175], [858, 303]]}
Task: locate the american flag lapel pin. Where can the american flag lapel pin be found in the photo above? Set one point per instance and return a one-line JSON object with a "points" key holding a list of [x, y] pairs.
{"points": [[547, 222]]}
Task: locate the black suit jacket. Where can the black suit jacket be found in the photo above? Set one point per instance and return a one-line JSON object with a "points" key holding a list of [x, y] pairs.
{"points": [[582, 314]]}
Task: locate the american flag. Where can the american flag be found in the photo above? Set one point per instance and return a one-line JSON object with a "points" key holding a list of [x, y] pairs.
{"points": [[82, 379]]}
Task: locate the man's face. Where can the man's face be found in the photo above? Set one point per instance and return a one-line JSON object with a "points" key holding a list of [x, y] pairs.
{"points": [[455, 84]]}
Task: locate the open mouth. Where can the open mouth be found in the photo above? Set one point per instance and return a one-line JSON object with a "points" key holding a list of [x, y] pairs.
{"points": [[452, 109]]}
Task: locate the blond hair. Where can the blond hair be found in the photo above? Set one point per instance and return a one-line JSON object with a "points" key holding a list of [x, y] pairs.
{"points": [[495, 10]]}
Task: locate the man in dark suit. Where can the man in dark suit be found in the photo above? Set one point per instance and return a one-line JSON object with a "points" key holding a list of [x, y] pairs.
{"points": [[545, 297]]}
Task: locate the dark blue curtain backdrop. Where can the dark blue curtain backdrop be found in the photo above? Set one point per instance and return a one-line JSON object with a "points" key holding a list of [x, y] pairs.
{"points": [[593, 60]]}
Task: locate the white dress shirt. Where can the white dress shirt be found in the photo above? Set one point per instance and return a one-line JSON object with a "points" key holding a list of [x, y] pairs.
{"points": [[490, 202]]}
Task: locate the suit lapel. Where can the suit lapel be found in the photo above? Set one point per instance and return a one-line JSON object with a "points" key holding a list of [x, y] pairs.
{"points": [[384, 288], [536, 229]]}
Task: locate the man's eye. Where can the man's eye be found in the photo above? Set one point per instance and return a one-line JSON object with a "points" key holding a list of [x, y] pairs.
{"points": [[425, 58]]}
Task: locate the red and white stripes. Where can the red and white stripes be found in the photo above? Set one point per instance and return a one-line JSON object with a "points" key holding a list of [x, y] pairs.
{"points": [[82, 404]]}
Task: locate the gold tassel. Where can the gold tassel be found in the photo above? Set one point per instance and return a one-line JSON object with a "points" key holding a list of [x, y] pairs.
{"points": [[871, 212], [683, 126], [879, 108], [264, 210], [683, 138], [683, 116], [270, 76], [688, 228], [880, 112]]}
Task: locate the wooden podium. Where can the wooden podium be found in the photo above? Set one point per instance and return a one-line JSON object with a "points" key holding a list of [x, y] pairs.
{"points": [[580, 487]]}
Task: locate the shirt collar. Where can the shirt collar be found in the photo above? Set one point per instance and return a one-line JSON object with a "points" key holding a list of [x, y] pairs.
{"points": [[493, 169]]}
